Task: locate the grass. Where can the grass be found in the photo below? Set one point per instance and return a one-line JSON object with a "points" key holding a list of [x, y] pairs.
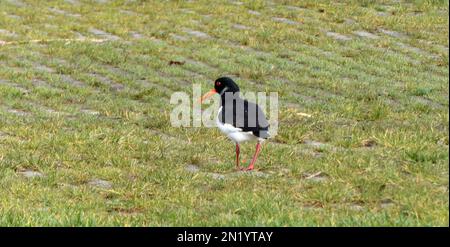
{"points": [[373, 153]]}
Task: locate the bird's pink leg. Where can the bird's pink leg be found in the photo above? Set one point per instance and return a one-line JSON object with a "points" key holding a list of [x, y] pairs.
{"points": [[238, 151], [252, 163]]}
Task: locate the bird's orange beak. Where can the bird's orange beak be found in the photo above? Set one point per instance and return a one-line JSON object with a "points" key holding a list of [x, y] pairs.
{"points": [[207, 95]]}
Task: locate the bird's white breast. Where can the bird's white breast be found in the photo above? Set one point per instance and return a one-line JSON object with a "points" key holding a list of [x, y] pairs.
{"points": [[235, 134]]}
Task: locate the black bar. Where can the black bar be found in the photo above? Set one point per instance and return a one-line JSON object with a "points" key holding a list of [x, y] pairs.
{"points": [[235, 236]]}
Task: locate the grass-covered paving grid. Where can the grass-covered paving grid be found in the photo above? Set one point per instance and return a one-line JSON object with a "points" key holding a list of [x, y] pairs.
{"points": [[85, 134]]}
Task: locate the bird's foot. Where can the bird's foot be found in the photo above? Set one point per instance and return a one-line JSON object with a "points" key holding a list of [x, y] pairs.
{"points": [[249, 168]]}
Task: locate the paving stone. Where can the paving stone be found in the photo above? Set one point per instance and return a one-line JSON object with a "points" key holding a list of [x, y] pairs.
{"points": [[148, 84], [207, 17], [417, 50], [187, 11], [43, 68], [240, 27], [394, 34], [386, 203], [90, 112], [381, 13], [200, 64], [17, 3], [128, 12], [106, 81], [103, 34], [178, 37], [74, 2], [7, 33], [216, 176], [315, 144], [39, 83], [99, 183], [53, 111], [117, 87], [428, 102], [79, 35], [197, 34], [257, 174], [117, 71], [50, 26], [356, 207], [294, 8], [285, 20], [338, 36], [3, 135], [71, 81], [316, 177], [31, 174], [254, 12], [365, 34], [15, 17], [192, 168], [18, 112], [136, 35], [63, 12], [14, 85], [66, 185], [349, 21]]}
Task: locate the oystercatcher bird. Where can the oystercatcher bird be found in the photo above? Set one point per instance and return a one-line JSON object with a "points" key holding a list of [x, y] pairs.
{"points": [[238, 118]]}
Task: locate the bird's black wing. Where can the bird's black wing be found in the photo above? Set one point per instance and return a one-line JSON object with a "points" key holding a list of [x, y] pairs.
{"points": [[246, 115]]}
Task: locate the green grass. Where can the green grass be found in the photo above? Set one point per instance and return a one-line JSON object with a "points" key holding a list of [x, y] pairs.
{"points": [[77, 111]]}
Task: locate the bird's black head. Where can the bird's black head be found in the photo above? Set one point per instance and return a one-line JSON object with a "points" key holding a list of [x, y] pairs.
{"points": [[225, 84], [221, 86]]}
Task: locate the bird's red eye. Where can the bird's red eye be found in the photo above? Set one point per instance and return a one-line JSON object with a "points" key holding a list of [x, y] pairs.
{"points": [[217, 83]]}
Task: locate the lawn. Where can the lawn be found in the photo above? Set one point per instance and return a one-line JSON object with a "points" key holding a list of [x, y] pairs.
{"points": [[85, 133]]}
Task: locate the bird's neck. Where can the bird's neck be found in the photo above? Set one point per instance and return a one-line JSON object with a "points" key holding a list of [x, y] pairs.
{"points": [[230, 96]]}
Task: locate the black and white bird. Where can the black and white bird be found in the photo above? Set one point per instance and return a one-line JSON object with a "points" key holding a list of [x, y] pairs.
{"points": [[239, 119]]}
